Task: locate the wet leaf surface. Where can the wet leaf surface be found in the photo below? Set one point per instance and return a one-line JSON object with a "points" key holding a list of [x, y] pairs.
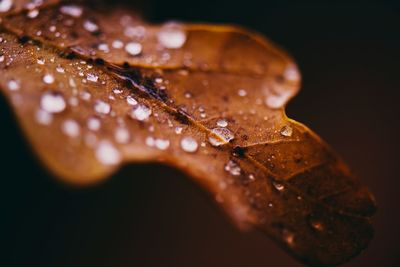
{"points": [[94, 89]]}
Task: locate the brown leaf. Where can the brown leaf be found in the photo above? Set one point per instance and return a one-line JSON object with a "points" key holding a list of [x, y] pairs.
{"points": [[94, 89]]}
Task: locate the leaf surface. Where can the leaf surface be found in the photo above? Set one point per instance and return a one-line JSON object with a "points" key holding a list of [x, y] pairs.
{"points": [[97, 88]]}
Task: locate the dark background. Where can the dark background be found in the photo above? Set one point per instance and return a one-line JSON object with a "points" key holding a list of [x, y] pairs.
{"points": [[348, 53]]}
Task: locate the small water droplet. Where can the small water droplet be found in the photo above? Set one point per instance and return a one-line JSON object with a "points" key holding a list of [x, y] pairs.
{"points": [[178, 130], [161, 144], [102, 107], [6, 5], [189, 144], [172, 36], [117, 44], [278, 186], [242, 92], [60, 69], [220, 136], [70, 128], [133, 48], [278, 100], [103, 47], [141, 112], [41, 61], [317, 225], [13, 85], [33, 13], [91, 77], [291, 73], [117, 91], [122, 135], [43, 117], [288, 237], [52, 102], [48, 79], [90, 26], [107, 154], [93, 123], [286, 131], [222, 123], [72, 10], [131, 100], [233, 168]]}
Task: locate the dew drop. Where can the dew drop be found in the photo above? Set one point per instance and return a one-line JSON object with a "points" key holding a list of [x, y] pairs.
{"points": [[72, 10], [102, 107], [189, 144], [52, 102], [91, 77], [2, 57], [107, 154], [141, 112], [5, 5], [172, 36], [33, 13], [93, 123], [48, 79], [242, 92], [277, 101], [41, 61], [122, 135], [233, 168], [161, 144], [60, 69], [70, 128], [286, 131], [117, 44], [278, 186], [13, 85], [223, 136], [178, 130], [103, 47], [131, 100], [133, 48], [222, 123], [90, 26], [43, 117]]}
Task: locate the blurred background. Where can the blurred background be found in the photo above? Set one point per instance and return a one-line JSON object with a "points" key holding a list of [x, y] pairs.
{"points": [[349, 55]]}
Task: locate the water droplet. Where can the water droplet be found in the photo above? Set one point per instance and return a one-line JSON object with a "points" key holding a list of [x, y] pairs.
{"points": [[122, 135], [117, 44], [2, 57], [6, 5], [278, 186], [286, 131], [150, 141], [13, 85], [277, 101], [107, 154], [72, 10], [117, 91], [233, 168], [41, 61], [33, 13], [60, 69], [93, 123], [43, 117], [52, 102], [172, 36], [242, 92], [141, 112], [103, 47], [133, 48], [291, 73], [251, 177], [222, 123], [102, 107], [161, 144], [288, 237], [317, 225], [48, 78], [90, 26], [70, 128], [220, 136], [178, 130], [189, 144], [91, 77], [131, 101]]}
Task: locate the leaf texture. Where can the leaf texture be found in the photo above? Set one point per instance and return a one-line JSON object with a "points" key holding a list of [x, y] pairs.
{"points": [[97, 88]]}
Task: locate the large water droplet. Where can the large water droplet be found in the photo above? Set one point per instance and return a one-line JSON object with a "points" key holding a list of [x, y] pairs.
{"points": [[141, 112], [107, 154], [48, 79], [102, 107], [52, 102], [122, 135], [6, 5], [133, 48], [233, 168], [189, 144], [172, 36], [220, 136], [286, 131]]}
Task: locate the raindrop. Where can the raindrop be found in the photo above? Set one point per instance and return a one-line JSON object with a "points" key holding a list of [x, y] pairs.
{"points": [[133, 48], [288, 237], [6, 5], [189, 144], [60, 69], [233, 168], [172, 36], [141, 112], [52, 102], [102, 107], [220, 136], [242, 92], [43, 117], [90, 26], [131, 101], [13, 85], [107, 154], [48, 78], [72, 10], [70, 128], [162, 144], [222, 123], [317, 225], [93, 123], [117, 44], [286, 131], [122, 135], [33, 13]]}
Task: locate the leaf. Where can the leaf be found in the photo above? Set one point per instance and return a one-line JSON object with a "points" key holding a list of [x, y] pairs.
{"points": [[97, 88]]}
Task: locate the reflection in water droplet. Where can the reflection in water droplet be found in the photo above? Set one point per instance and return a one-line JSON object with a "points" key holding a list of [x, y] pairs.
{"points": [[72, 10], [220, 136], [122, 135], [141, 112], [286, 131], [278, 186], [172, 36], [222, 123], [233, 168], [102, 107], [52, 102], [6, 5], [70, 128], [43, 117], [107, 154], [13, 85], [133, 48], [189, 144]]}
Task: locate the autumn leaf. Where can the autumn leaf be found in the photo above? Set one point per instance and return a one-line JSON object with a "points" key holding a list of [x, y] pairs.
{"points": [[94, 88]]}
